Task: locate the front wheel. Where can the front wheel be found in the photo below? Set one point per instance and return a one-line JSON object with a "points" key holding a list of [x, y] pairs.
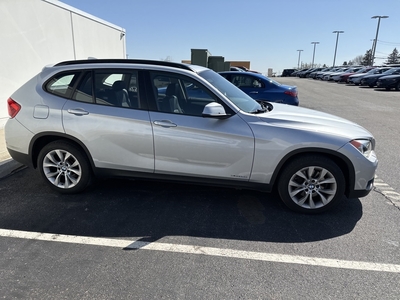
{"points": [[311, 184], [64, 167]]}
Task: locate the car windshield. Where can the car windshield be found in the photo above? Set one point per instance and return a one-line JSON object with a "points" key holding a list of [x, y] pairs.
{"points": [[233, 93], [391, 71], [373, 71], [362, 70]]}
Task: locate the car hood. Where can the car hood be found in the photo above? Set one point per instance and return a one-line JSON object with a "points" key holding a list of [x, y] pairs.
{"points": [[358, 75], [311, 120]]}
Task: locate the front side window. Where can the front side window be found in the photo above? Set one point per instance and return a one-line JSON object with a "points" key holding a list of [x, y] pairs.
{"points": [[179, 95]]}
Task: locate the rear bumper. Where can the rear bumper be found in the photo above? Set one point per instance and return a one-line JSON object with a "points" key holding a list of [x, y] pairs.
{"points": [[22, 158]]}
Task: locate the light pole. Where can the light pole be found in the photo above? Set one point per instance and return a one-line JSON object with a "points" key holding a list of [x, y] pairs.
{"points": [[298, 62], [315, 43], [337, 39], [376, 37]]}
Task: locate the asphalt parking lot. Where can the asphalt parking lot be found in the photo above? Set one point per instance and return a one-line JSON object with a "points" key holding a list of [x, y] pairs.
{"points": [[134, 239]]}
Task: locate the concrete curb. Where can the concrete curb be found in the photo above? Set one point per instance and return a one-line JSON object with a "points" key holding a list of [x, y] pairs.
{"points": [[9, 166]]}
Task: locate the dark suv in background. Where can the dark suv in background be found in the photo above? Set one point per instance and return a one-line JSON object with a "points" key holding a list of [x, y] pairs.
{"points": [[287, 72]]}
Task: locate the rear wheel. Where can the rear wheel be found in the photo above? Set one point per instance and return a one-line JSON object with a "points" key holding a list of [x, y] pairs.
{"points": [[64, 167], [311, 184]]}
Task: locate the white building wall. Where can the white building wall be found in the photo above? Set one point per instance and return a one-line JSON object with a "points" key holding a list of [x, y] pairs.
{"points": [[35, 33]]}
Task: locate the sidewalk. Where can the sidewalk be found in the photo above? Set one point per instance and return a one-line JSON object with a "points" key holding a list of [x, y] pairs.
{"points": [[3, 150]]}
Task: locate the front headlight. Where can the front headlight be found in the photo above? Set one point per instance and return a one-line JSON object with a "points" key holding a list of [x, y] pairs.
{"points": [[364, 146]]}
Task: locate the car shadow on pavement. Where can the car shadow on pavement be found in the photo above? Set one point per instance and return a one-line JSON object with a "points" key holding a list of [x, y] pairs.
{"points": [[385, 90], [151, 209]]}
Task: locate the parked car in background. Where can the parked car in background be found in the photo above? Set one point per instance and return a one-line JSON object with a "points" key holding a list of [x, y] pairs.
{"points": [[296, 73], [315, 73], [389, 82], [247, 70], [345, 77], [303, 74], [321, 74], [286, 72], [308, 73], [336, 77], [356, 78], [236, 69], [311, 71], [80, 119], [371, 80], [328, 75], [260, 87]]}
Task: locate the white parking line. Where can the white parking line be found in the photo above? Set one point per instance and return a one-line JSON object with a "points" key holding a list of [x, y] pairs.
{"points": [[208, 251], [386, 190]]}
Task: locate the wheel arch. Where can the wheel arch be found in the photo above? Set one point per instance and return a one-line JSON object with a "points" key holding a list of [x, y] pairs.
{"points": [[44, 138], [342, 161]]}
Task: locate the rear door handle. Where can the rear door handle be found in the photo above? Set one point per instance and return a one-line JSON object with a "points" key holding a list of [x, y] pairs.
{"points": [[78, 112], [164, 123]]}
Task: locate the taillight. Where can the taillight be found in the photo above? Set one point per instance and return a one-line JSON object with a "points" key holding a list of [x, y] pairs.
{"points": [[13, 108], [291, 93]]}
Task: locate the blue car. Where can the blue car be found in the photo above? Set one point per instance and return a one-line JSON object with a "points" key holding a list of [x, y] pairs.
{"points": [[262, 88]]}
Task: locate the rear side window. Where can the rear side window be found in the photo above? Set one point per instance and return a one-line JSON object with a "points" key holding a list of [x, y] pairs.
{"points": [[246, 82], [62, 84], [117, 88], [109, 87]]}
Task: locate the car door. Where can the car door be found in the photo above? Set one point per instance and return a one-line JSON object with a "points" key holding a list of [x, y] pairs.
{"points": [[187, 144], [116, 132]]}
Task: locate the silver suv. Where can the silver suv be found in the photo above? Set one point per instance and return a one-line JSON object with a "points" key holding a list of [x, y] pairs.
{"points": [[152, 119]]}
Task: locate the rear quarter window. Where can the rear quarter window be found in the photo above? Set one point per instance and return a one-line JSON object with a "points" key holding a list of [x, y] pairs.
{"points": [[61, 84]]}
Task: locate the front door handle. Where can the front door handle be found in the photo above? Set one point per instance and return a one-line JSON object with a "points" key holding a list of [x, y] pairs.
{"points": [[164, 123]]}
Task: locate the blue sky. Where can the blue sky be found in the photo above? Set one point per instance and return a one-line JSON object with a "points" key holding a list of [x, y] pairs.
{"points": [[265, 32]]}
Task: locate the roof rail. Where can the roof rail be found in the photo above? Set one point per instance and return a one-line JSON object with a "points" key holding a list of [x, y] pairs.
{"points": [[125, 61]]}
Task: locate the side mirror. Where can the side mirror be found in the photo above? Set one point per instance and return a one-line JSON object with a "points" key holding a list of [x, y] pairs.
{"points": [[214, 110]]}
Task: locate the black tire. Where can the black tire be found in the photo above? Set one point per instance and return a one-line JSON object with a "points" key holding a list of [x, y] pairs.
{"points": [[311, 184], [397, 88], [64, 167]]}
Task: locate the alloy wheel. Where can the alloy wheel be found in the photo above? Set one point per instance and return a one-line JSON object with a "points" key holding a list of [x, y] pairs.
{"points": [[62, 168], [312, 187]]}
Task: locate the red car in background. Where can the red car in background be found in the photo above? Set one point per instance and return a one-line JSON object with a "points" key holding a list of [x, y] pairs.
{"points": [[345, 77]]}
